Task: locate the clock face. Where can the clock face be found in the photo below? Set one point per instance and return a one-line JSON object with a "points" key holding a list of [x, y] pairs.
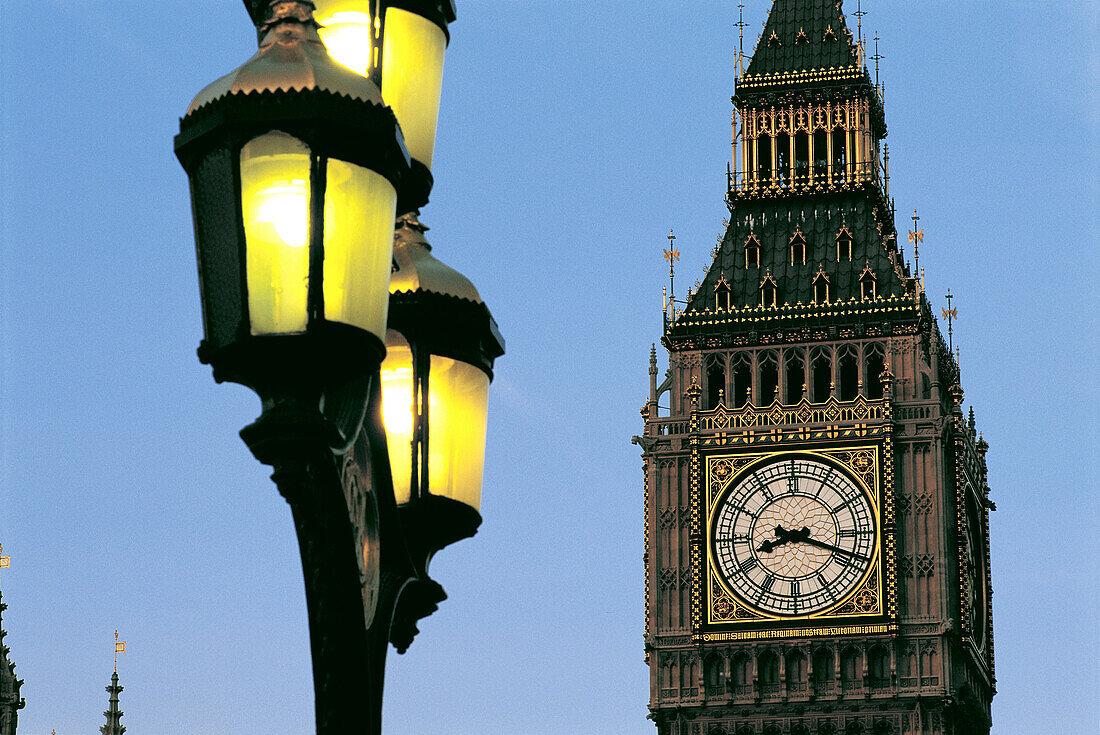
{"points": [[975, 570], [794, 536]]}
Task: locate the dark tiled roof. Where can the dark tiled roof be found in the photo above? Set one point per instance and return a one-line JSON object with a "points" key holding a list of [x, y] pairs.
{"points": [[820, 221], [801, 39]]}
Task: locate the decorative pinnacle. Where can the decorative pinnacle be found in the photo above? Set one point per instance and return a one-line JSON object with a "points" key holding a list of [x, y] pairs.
{"points": [[282, 11]]}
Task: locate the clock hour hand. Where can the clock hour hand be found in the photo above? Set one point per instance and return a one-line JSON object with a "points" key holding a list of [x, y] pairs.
{"points": [[782, 536]]}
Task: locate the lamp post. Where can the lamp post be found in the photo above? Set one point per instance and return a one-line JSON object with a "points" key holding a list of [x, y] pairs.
{"points": [[297, 170]]}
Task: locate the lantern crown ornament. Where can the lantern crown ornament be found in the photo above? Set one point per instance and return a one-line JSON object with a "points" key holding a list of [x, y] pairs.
{"points": [[297, 170], [291, 57], [416, 269]]}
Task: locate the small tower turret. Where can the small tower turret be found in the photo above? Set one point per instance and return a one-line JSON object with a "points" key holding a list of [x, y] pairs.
{"points": [[10, 700], [113, 714]]}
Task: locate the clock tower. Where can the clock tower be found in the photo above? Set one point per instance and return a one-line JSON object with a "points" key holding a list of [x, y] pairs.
{"points": [[816, 537]]}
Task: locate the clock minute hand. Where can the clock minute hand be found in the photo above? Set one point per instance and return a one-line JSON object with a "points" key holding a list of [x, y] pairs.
{"points": [[836, 549]]}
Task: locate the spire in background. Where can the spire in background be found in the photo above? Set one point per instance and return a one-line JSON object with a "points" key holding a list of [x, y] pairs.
{"points": [[113, 714], [10, 701]]}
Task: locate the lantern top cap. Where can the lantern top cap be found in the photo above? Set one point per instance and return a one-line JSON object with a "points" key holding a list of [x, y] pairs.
{"points": [[291, 58], [419, 270]]}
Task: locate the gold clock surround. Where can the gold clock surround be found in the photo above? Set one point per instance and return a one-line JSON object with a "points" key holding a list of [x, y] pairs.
{"points": [[868, 607]]}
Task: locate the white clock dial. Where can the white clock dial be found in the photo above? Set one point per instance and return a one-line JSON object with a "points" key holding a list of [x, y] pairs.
{"points": [[794, 536]]}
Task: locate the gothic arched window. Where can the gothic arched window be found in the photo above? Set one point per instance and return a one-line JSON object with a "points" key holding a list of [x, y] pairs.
{"points": [[722, 295], [875, 362], [716, 381], [821, 376], [878, 661], [821, 156], [802, 156], [796, 671], [840, 155], [797, 249], [768, 669], [752, 252], [851, 668], [769, 379], [823, 666], [783, 158], [849, 374], [868, 285], [714, 675], [844, 245], [794, 377], [740, 673], [769, 292], [742, 379], [821, 288]]}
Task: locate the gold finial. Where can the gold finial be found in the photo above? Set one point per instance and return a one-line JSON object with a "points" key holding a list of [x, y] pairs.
{"points": [[5, 561], [950, 314], [672, 255], [916, 237], [120, 647]]}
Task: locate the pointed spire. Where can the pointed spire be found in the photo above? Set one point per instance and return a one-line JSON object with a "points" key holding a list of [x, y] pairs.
{"points": [[10, 701], [113, 714]]}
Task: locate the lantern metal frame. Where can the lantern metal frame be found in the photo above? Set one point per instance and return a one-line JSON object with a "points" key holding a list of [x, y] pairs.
{"points": [[446, 326], [209, 144]]}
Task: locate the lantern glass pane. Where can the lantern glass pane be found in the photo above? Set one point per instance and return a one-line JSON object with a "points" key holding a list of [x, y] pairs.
{"points": [[458, 395], [397, 412], [360, 207], [412, 77], [275, 205], [346, 32]]}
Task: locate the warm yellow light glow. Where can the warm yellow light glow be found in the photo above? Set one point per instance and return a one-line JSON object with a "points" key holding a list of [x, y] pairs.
{"points": [[275, 203], [285, 206], [458, 401], [397, 412], [459, 407], [347, 35], [360, 206], [412, 78]]}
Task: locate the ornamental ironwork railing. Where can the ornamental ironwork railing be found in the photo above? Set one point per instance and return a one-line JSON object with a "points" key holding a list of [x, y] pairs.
{"points": [[832, 411], [766, 181], [912, 413]]}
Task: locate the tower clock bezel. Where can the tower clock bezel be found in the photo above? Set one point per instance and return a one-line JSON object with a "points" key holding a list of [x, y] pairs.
{"points": [[867, 607]]}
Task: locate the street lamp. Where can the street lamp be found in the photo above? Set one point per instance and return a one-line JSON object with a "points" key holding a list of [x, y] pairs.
{"points": [[295, 164], [297, 170], [440, 350]]}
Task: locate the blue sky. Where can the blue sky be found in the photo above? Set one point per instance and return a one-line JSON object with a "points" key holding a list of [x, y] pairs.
{"points": [[573, 136]]}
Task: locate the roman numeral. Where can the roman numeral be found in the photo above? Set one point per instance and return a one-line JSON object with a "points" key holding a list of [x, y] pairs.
{"points": [[842, 506], [748, 565]]}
